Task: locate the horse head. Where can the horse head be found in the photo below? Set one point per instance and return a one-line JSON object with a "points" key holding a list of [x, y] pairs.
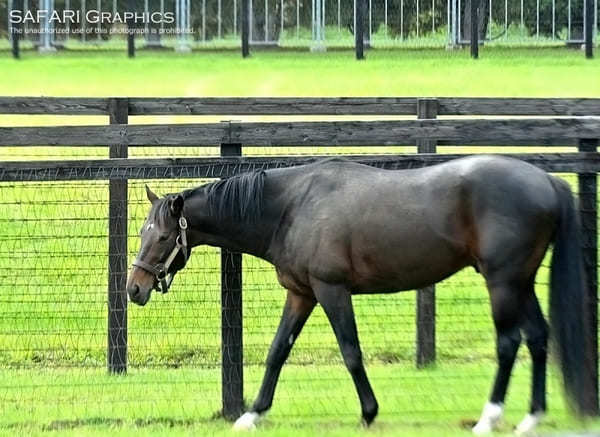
{"points": [[164, 248]]}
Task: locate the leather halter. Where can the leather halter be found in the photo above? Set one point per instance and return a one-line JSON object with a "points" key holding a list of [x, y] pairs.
{"points": [[161, 270]]}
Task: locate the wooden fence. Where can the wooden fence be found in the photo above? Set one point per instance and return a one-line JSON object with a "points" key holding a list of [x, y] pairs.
{"points": [[567, 122]]}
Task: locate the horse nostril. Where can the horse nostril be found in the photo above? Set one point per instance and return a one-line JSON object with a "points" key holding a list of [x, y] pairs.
{"points": [[133, 291]]}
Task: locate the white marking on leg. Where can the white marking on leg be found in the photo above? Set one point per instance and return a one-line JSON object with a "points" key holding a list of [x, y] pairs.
{"points": [[490, 416], [529, 423], [247, 422]]}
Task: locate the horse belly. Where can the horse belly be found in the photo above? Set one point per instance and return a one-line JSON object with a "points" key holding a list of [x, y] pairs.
{"points": [[406, 265]]}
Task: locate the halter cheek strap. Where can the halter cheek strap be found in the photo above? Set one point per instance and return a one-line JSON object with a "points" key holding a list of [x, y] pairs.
{"points": [[160, 270]]}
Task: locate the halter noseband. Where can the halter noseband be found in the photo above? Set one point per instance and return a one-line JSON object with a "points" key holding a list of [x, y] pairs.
{"points": [[160, 270]]}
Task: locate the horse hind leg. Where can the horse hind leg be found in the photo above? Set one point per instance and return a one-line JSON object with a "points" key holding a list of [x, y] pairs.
{"points": [[536, 333], [513, 312], [505, 300], [511, 251]]}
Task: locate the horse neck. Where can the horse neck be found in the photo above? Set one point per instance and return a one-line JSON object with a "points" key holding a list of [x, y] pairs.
{"points": [[238, 237], [234, 235]]}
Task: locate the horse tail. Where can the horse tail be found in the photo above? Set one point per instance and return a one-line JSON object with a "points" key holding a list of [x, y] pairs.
{"points": [[568, 313]]}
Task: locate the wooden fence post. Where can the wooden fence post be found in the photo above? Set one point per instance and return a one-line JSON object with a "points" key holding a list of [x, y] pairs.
{"points": [[232, 365], [426, 109], [117, 251], [245, 28], [359, 32], [588, 210]]}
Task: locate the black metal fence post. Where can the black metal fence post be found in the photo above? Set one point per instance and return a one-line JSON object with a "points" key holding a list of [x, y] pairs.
{"points": [[117, 251], [474, 29], [426, 109], [589, 25], [245, 28], [131, 27], [359, 32], [588, 210], [232, 366], [16, 30]]}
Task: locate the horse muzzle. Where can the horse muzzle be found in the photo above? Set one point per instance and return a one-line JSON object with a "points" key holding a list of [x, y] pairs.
{"points": [[137, 295], [162, 279]]}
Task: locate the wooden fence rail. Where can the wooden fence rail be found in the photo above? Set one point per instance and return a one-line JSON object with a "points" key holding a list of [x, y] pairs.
{"points": [[302, 106], [504, 132], [426, 133]]}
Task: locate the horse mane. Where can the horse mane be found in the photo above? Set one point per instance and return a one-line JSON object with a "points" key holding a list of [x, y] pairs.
{"points": [[237, 198], [160, 212]]}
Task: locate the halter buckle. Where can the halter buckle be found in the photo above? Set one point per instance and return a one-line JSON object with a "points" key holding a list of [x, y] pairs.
{"points": [[161, 272], [183, 223]]}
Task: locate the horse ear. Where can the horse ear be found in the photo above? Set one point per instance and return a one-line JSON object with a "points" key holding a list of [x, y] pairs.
{"points": [[176, 204], [150, 195]]}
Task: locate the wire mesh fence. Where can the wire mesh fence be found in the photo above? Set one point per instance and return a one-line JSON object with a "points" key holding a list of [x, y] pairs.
{"points": [[54, 254], [53, 299]]}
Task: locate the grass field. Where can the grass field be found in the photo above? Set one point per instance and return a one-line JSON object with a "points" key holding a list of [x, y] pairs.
{"points": [[53, 266], [500, 72]]}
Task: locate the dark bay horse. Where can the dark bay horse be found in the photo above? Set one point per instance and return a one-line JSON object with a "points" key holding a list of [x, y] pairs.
{"points": [[336, 228]]}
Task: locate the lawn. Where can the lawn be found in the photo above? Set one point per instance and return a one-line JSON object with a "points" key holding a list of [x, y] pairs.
{"points": [[543, 72], [180, 401], [53, 264]]}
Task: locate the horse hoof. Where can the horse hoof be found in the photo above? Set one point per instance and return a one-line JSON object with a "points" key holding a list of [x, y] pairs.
{"points": [[365, 423], [369, 414], [367, 420], [491, 415], [528, 424], [482, 428], [246, 422]]}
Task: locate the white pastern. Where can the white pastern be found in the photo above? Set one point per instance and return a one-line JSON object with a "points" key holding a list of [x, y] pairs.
{"points": [[490, 416], [247, 422], [529, 423]]}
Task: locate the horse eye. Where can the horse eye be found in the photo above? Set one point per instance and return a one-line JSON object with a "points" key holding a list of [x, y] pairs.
{"points": [[163, 237]]}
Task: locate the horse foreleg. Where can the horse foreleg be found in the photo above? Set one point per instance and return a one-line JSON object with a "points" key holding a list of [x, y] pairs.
{"points": [[505, 310], [296, 311], [336, 300]]}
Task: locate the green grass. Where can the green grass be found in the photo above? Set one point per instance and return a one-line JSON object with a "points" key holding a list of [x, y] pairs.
{"points": [[499, 72], [89, 400], [53, 265]]}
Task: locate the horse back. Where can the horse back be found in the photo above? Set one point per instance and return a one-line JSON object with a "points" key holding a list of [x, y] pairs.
{"points": [[380, 230]]}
